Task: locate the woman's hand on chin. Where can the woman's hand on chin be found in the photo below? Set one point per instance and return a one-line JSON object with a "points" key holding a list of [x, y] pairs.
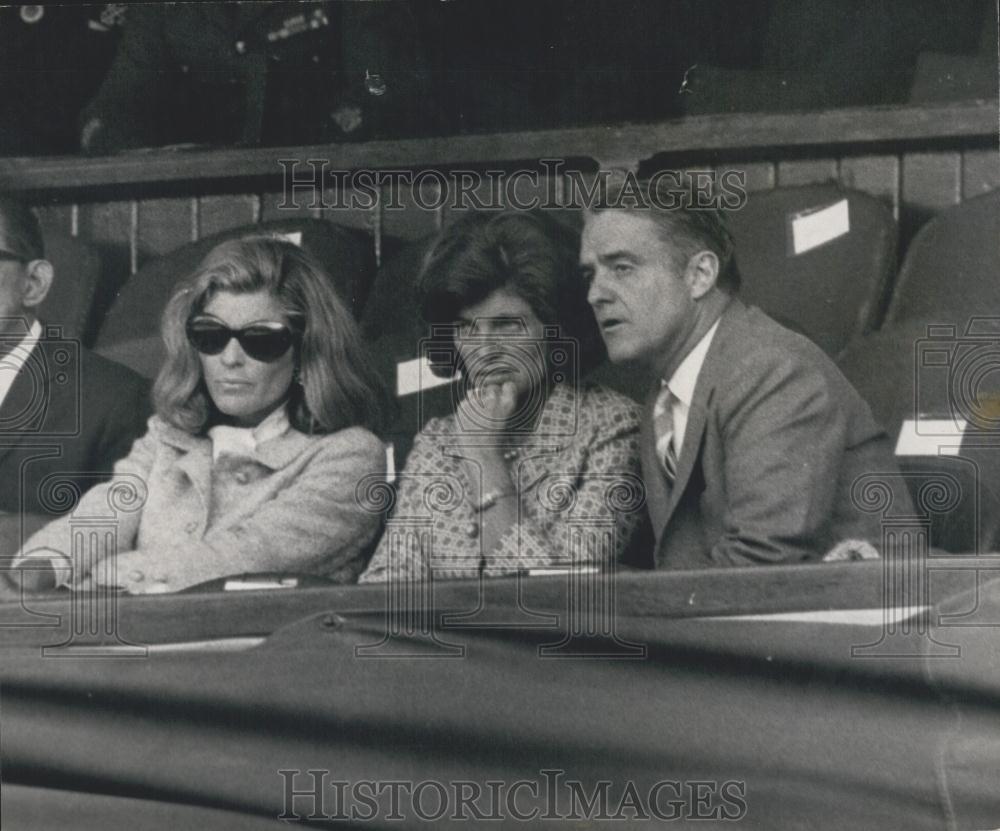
{"points": [[486, 410]]}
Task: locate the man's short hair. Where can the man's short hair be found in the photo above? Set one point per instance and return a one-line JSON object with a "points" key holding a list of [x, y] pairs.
{"points": [[20, 233], [667, 200]]}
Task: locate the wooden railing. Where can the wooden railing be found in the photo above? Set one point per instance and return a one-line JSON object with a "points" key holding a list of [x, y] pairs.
{"points": [[906, 127]]}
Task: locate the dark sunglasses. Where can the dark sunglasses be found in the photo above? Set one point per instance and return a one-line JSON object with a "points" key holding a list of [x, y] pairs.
{"points": [[265, 341], [11, 256]]}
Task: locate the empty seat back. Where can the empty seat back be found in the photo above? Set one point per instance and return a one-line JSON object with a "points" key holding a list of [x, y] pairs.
{"points": [[817, 258], [952, 268], [70, 302], [393, 327]]}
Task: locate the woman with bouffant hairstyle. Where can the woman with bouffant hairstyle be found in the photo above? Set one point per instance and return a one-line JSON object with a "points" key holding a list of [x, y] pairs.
{"points": [[260, 440], [532, 449]]}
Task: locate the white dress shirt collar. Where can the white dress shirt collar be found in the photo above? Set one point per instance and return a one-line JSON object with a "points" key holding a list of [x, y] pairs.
{"points": [[682, 384], [685, 377]]}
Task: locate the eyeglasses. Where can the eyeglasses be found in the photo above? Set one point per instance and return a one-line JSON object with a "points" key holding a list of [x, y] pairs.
{"points": [[11, 256], [265, 341]]}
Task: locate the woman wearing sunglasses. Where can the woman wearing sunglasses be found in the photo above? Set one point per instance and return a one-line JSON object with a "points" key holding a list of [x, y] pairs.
{"points": [[259, 439]]}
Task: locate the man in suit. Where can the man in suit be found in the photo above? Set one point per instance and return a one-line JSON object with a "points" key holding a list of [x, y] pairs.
{"points": [[66, 414], [752, 439]]}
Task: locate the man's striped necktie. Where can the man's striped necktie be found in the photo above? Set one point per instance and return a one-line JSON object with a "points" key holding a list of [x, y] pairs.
{"points": [[663, 427]]}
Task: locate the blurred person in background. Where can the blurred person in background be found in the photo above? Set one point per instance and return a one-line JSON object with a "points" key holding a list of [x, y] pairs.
{"points": [[261, 73], [53, 59]]}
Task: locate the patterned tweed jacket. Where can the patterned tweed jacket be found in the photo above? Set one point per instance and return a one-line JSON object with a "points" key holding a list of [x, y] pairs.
{"points": [[580, 498]]}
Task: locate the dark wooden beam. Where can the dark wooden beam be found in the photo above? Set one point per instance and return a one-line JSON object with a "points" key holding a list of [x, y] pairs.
{"points": [[901, 125]]}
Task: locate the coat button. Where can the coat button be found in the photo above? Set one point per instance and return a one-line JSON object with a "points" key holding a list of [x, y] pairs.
{"points": [[242, 477], [191, 527], [241, 47]]}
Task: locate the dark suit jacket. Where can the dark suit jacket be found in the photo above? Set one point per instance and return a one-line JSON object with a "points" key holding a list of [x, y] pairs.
{"points": [[775, 439], [69, 415]]}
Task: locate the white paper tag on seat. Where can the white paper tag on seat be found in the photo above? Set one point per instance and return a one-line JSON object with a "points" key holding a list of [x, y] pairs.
{"points": [[294, 237], [811, 230], [930, 437], [415, 375], [390, 462]]}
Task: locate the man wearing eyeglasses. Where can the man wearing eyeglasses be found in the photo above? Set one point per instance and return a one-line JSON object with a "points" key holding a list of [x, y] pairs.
{"points": [[66, 414]]}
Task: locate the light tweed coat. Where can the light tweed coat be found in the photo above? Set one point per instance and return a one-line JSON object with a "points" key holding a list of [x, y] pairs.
{"points": [[291, 508]]}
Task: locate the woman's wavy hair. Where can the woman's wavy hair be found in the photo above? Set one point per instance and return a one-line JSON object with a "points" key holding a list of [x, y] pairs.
{"points": [[528, 252], [335, 384]]}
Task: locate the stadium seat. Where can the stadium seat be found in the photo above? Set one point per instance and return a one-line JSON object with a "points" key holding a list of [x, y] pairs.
{"points": [[933, 371], [392, 326], [937, 395], [391, 307], [950, 270], [818, 259], [71, 300], [130, 332]]}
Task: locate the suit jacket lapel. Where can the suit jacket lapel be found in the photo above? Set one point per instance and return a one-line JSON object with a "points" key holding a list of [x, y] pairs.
{"points": [[663, 499], [29, 408], [694, 432], [692, 444]]}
